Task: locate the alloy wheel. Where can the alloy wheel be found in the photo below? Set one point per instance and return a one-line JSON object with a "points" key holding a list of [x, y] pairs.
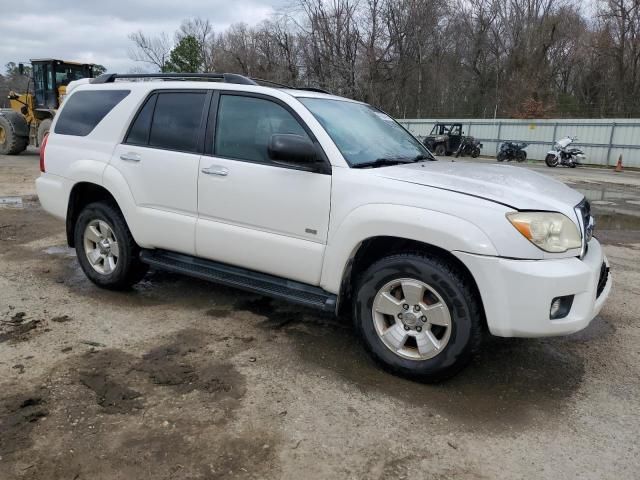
{"points": [[101, 246], [411, 319]]}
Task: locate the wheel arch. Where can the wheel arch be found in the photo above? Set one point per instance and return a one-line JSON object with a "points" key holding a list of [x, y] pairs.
{"points": [[375, 248], [81, 195]]}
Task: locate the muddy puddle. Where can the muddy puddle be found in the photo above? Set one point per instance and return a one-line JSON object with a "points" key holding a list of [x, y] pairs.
{"points": [[163, 413], [607, 197]]}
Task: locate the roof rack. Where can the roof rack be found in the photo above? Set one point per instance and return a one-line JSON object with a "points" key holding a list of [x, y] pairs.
{"points": [[314, 89], [211, 77], [282, 85]]}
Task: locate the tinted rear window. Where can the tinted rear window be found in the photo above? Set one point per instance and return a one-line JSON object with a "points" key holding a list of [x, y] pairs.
{"points": [[84, 110], [139, 133], [176, 121]]}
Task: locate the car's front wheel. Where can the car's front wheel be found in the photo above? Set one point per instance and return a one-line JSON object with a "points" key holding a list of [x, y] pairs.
{"points": [[418, 316], [105, 248]]}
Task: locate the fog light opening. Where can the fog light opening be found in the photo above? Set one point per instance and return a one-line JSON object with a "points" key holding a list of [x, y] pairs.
{"points": [[560, 307]]}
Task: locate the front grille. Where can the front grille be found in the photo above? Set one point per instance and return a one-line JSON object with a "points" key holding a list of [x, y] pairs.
{"points": [[602, 280], [583, 210]]}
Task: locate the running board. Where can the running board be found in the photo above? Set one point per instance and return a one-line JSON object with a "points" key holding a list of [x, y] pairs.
{"points": [[256, 282]]}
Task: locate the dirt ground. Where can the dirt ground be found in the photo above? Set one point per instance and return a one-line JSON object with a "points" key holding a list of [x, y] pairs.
{"points": [[181, 379]]}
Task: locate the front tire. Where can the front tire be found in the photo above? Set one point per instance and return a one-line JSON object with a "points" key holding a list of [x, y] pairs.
{"points": [[418, 316], [105, 248], [10, 142], [475, 153], [440, 150], [521, 156]]}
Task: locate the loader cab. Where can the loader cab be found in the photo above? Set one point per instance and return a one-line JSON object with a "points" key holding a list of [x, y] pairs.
{"points": [[51, 77]]}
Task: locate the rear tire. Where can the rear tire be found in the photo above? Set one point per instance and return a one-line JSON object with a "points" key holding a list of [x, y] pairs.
{"points": [[440, 150], [423, 289], [43, 129], [551, 160], [10, 142], [105, 248], [521, 156], [475, 153]]}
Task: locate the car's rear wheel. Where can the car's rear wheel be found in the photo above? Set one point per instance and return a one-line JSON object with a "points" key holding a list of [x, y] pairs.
{"points": [[418, 316], [105, 248]]}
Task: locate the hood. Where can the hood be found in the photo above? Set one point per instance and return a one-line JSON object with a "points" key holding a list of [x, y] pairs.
{"points": [[516, 187]]}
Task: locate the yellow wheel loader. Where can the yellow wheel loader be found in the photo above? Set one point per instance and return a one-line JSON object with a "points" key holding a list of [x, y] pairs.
{"points": [[31, 113]]}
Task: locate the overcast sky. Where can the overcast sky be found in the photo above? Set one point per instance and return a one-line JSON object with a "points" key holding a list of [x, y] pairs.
{"points": [[95, 31]]}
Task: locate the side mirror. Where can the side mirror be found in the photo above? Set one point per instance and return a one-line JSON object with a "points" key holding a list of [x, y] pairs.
{"points": [[20, 68], [290, 148]]}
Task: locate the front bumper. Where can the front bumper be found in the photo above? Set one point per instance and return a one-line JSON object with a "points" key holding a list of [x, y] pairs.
{"points": [[517, 294]]}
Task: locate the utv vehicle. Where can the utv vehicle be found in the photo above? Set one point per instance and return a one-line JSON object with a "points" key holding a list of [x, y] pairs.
{"points": [[446, 138]]}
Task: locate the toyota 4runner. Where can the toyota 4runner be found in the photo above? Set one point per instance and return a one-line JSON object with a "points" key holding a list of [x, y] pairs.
{"points": [[323, 201]]}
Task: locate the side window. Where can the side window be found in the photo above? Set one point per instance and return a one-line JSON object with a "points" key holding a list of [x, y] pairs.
{"points": [[245, 125], [139, 132], [82, 111], [176, 120]]}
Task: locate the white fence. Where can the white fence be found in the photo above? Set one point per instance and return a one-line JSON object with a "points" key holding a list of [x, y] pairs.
{"points": [[602, 140]]}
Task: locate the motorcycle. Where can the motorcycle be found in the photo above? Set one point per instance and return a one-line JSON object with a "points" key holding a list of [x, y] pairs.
{"points": [[563, 155], [512, 151], [469, 146]]}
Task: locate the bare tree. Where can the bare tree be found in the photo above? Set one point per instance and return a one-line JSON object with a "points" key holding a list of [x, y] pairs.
{"points": [[429, 58], [154, 51]]}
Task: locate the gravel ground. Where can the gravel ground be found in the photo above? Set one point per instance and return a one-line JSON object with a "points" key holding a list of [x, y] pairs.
{"points": [[183, 379]]}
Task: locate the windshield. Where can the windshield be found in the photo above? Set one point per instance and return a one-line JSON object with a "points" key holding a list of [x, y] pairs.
{"points": [[68, 73], [364, 134]]}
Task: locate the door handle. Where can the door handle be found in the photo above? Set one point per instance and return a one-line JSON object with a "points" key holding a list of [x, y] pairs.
{"points": [[130, 157], [216, 170]]}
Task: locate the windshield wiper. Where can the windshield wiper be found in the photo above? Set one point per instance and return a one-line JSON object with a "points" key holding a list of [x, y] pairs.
{"points": [[384, 162], [420, 157]]}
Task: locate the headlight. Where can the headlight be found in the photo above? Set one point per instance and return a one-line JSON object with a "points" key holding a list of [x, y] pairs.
{"points": [[551, 231]]}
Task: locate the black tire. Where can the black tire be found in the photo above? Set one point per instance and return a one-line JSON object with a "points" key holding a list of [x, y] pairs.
{"points": [[521, 156], [128, 269], [458, 295], [440, 150], [43, 129], [501, 157], [11, 143], [475, 153], [551, 160]]}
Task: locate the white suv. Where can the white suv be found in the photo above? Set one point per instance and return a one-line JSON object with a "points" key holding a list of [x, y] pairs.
{"points": [[323, 201]]}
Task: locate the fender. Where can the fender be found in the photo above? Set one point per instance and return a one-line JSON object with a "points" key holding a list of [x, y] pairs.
{"points": [[116, 184], [435, 228]]}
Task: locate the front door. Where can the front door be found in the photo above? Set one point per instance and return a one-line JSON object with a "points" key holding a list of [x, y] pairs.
{"points": [[253, 212], [455, 137], [159, 160]]}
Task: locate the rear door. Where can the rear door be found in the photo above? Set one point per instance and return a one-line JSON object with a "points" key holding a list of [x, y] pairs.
{"points": [[159, 159], [253, 212]]}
